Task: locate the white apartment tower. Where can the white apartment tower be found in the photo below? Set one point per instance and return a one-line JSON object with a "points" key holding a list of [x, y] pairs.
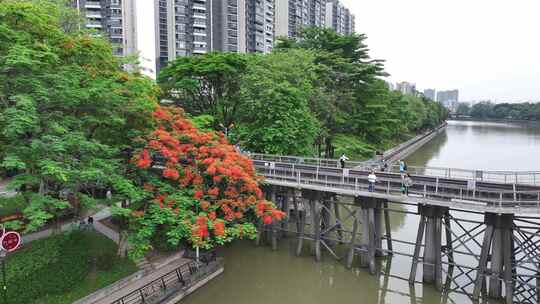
{"points": [[126, 25], [339, 18], [293, 15]]}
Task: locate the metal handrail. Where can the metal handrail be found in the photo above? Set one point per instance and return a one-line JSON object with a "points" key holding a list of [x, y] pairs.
{"points": [[496, 176], [446, 191], [159, 286]]}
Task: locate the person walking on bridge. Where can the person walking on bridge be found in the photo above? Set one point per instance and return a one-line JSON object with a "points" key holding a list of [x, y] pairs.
{"points": [[372, 179], [342, 160], [402, 167], [407, 183]]}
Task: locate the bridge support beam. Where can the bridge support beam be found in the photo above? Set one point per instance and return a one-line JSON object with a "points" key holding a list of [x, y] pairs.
{"points": [[313, 198], [273, 226], [430, 225], [371, 245], [287, 195], [497, 241]]}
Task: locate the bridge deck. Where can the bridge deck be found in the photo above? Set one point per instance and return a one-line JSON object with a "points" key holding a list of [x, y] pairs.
{"points": [[432, 190]]}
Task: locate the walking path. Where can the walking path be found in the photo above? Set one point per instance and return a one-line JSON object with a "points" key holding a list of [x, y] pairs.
{"points": [[98, 226]]}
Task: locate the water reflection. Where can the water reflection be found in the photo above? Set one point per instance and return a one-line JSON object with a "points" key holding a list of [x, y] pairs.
{"points": [[483, 145], [259, 275]]}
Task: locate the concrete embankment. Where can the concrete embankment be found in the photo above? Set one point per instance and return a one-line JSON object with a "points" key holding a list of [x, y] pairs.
{"points": [[407, 148]]}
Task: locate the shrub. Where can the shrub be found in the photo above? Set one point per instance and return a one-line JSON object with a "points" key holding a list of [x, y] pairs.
{"points": [[160, 241], [12, 205], [106, 261]]}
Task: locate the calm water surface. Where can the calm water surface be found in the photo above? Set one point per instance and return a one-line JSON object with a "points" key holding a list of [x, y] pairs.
{"points": [[259, 275]]}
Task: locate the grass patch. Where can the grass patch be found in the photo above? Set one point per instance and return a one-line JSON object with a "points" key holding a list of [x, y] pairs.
{"points": [[64, 268]]}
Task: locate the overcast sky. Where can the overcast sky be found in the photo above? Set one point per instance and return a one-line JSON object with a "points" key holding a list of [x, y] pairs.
{"points": [[488, 49]]}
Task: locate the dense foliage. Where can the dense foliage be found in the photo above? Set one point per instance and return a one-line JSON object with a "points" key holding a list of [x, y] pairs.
{"points": [[49, 268], [202, 190], [68, 110], [74, 124], [317, 95], [512, 111]]}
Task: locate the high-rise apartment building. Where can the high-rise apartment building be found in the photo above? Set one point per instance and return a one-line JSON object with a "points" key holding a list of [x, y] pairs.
{"points": [[259, 25], [106, 17], [430, 94], [406, 88], [339, 18], [192, 27], [126, 25], [448, 98], [293, 15], [184, 28]]}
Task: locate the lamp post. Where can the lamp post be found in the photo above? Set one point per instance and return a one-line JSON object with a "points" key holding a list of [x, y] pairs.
{"points": [[9, 242], [3, 255]]}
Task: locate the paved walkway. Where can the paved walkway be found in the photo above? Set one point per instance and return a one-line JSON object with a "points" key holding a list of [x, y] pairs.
{"points": [[106, 231], [161, 271]]}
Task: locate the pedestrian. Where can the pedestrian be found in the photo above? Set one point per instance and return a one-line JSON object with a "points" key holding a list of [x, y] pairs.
{"points": [[90, 222], [384, 166], [342, 160], [401, 166], [372, 179], [407, 183]]}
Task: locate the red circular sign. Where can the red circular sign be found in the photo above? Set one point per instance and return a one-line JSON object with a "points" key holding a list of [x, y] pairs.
{"points": [[11, 241]]}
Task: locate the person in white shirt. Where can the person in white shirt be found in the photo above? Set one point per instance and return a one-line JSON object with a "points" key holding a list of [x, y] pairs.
{"points": [[372, 179], [342, 160]]}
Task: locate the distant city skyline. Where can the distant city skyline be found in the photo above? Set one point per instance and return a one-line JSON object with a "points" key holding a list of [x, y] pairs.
{"points": [[486, 49]]}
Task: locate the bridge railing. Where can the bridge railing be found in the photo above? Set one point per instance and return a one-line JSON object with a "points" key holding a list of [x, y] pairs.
{"points": [[355, 182], [320, 162], [504, 177]]}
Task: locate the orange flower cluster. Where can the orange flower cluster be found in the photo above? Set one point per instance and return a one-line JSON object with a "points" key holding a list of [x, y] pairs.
{"points": [[223, 181]]}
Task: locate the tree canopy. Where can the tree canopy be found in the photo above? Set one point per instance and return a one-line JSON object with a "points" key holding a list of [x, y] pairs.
{"points": [[309, 97], [512, 111], [68, 111], [197, 188]]}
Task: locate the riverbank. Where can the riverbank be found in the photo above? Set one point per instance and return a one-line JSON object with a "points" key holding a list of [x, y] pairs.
{"points": [[518, 121], [409, 147]]}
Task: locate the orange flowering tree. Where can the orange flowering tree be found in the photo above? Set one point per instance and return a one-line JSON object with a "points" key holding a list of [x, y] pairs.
{"points": [[199, 189]]}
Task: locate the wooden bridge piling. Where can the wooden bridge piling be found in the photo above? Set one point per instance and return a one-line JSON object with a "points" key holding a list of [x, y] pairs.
{"points": [[498, 242], [499, 269], [430, 225]]}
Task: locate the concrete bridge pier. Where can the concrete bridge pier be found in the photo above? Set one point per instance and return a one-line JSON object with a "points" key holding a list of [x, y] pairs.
{"points": [[287, 196], [431, 218], [371, 243], [269, 232], [369, 219], [496, 248], [313, 198]]}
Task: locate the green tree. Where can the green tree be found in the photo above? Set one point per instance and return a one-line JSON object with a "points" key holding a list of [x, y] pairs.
{"points": [[463, 109], [344, 68], [275, 116], [68, 112], [208, 84]]}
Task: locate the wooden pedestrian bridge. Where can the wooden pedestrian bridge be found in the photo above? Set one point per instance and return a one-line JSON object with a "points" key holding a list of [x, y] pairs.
{"points": [[478, 231], [486, 191]]}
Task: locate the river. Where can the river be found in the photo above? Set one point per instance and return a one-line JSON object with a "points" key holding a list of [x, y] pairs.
{"points": [[260, 275]]}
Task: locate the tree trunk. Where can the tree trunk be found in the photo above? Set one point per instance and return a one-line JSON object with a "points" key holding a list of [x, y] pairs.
{"points": [[329, 149], [122, 244]]}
